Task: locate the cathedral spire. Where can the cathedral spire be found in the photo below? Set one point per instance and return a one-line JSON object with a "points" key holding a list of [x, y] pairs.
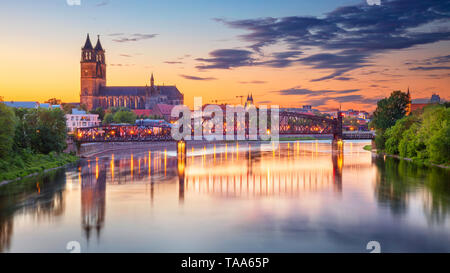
{"points": [[98, 46], [152, 81], [87, 44]]}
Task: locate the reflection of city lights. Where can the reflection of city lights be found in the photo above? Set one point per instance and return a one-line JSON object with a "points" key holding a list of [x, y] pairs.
{"points": [[96, 168], [112, 167]]}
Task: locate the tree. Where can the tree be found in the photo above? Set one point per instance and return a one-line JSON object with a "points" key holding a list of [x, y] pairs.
{"points": [[125, 117], [99, 111], [108, 119], [83, 107], [7, 126], [54, 101], [395, 133], [67, 108], [389, 110]]}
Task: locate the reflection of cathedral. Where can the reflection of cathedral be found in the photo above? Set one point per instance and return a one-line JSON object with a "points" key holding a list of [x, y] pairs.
{"points": [[95, 93], [93, 192]]}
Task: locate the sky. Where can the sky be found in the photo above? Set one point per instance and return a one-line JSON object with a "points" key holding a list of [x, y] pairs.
{"points": [[324, 53]]}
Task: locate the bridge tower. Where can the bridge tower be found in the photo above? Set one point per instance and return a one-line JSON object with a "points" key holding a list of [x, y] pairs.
{"points": [[337, 132]]}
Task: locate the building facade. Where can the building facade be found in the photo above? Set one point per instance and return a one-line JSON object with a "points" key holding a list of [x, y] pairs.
{"points": [[80, 119], [95, 93]]}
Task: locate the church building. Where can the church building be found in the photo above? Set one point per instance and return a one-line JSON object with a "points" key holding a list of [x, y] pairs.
{"points": [[95, 93]]}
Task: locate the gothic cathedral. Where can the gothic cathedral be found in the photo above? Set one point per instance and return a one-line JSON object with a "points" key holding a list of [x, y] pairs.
{"points": [[95, 93]]}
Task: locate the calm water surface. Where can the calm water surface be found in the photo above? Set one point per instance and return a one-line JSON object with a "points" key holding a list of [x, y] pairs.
{"points": [[298, 197]]}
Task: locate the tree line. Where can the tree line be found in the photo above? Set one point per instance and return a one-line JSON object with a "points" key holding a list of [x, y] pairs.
{"points": [[422, 135], [28, 132]]}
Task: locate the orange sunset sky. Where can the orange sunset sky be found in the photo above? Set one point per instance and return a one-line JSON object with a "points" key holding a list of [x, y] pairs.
{"points": [[289, 53]]}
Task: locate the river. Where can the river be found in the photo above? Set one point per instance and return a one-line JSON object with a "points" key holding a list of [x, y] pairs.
{"points": [[300, 196]]}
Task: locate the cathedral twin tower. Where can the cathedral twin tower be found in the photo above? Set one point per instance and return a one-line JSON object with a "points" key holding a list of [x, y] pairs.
{"points": [[93, 72], [95, 93]]}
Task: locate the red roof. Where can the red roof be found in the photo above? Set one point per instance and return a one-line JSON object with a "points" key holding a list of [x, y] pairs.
{"points": [[165, 109], [145, 112]]}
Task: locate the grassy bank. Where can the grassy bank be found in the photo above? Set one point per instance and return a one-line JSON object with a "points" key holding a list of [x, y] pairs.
{"points": [[25, 163]]}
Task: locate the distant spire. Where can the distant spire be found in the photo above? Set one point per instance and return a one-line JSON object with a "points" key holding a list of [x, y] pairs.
{"points": [[152, 81], [98, 46], [88, 44]]}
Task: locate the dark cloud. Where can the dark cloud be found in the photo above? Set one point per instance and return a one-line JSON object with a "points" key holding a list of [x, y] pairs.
{"points": [[173, 62], [253, 82], [322, 97], [133, 38], [426, 68], [197, 78], [430, 61], [343, 99], [226, 58], [281, 59], [344, 78], [349, 35], [313, 93]]}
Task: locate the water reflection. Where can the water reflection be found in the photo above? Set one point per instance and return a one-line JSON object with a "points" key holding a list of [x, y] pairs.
{"points": [[249, 185], [93, 193], [42, 198], [398, 181]]}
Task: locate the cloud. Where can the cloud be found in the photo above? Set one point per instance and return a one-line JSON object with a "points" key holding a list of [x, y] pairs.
{"points": [[253, 82], [313, 93], [125, 55], [226, 58], [173, 62], [322, 97], [197, 78], [133, 38], [344, 78], [116, 34], [430, 61], [102, 3], [426, 68], [349, 36], [119, 64]]}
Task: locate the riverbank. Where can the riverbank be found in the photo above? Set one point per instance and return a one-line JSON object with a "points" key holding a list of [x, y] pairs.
{"points": [[27, 164], [416, 161]]}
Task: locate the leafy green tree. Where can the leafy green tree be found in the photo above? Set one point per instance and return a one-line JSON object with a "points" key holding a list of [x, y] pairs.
{"points": [[395, 133], [99, 111], [7, 124], [125, 117], [434, 133], [51, 131], [67, 108], [389, 110], [108, 119], [114, 110]]}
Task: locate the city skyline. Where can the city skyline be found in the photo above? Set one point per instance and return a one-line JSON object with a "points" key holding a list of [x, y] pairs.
{"points": [[288, 53]]}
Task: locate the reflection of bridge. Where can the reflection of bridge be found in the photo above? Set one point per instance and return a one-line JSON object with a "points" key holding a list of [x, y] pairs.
{"points": [[278, 179], [290, 123]]}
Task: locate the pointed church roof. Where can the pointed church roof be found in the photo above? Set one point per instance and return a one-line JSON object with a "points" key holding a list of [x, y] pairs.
{"points": [[88, 44], [98, 46]]}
